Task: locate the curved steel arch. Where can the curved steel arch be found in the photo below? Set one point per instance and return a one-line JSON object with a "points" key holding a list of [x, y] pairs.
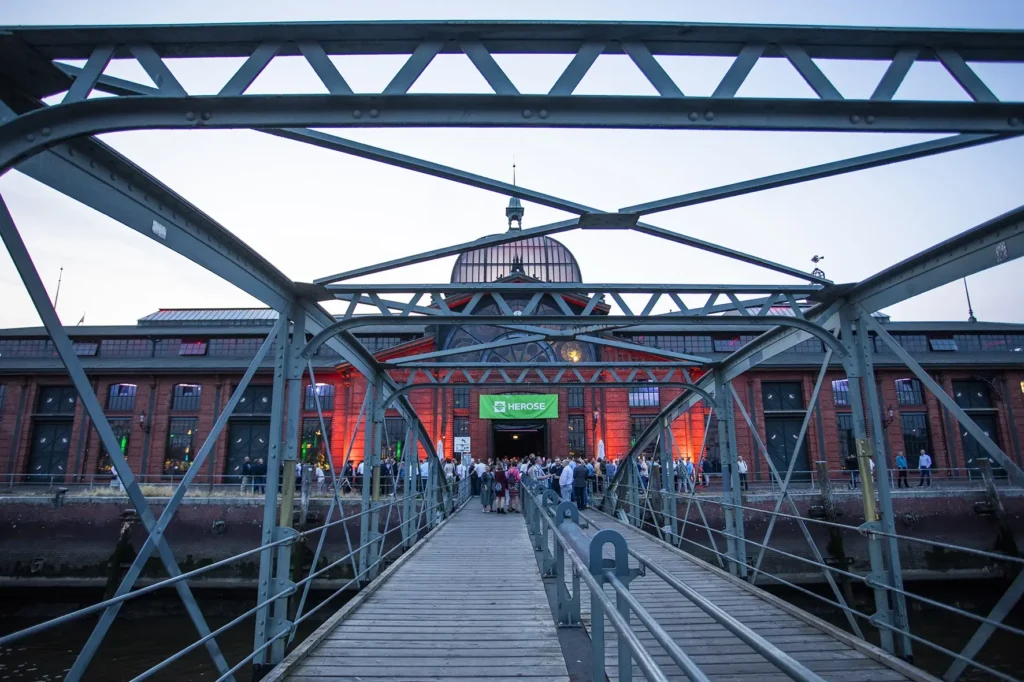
{"points": [[409, 388], [610, 320]]}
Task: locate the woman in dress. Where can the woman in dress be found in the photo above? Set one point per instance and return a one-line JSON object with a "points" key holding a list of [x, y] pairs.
{"points": [[500, 487], [487, 490]]}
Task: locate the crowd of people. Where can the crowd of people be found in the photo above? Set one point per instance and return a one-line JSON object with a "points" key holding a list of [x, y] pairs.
{"points": [[574, 479], [497, 481]]}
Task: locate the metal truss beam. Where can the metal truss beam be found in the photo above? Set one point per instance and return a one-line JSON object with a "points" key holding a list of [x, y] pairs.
{"points": [[33, 131], [786, 299], [97, 176], [592, 218], [521, 37], [825, 170], [992, 243], [809, 329]]}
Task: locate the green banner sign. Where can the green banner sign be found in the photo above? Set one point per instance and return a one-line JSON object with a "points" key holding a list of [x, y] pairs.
{"points": [[519, 406]]}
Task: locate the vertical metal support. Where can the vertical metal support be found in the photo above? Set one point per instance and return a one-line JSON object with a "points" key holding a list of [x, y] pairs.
{"points": [[410, 526], [854, 365], [264, 588], [62, 344], [890, 546], [735, 547], [668, 485], [294, 369], [633, 492], [369, 521]]}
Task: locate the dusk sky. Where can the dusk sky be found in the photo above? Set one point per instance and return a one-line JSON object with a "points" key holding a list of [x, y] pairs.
{"points": [[313, 212]]}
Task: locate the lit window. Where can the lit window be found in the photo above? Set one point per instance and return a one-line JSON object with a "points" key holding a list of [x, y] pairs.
{"points": [[841, 392], [186, 397], [325, 392], [180, 437], [644, 396], [943, 344], [192, 348], [121, 398], [908, 392]]}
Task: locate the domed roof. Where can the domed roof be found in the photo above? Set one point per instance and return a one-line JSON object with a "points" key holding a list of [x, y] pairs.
{"points": [[542, 258]]}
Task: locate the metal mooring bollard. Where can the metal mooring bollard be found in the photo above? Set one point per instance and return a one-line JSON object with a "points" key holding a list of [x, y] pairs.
{"points": [[568, 603], [619, 567]]}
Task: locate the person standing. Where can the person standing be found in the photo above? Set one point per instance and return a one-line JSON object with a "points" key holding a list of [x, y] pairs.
{"points": [[424, 474], [346, 478], [246, 476], [486, 488], [478, 474], [741, 467], [924, 464], [689, 480], [565, 481], [500, 487], [514, 477], [901, 471], [579, 485], [852, 467]]}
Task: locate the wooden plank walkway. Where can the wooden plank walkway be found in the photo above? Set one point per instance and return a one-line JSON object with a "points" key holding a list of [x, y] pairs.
{"points": [[469, 604], [719, 653]]}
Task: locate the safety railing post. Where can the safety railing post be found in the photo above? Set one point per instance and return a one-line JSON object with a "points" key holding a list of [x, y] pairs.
{"points": [[854, 366], [369, 522], [265, 621], [568, 602]]}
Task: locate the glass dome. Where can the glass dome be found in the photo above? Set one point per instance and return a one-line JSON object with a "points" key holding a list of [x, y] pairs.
{"points": [[542, 258]]}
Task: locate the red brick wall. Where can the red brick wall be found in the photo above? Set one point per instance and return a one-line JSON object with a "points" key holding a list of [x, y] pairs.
{"points": [[435, 407]]}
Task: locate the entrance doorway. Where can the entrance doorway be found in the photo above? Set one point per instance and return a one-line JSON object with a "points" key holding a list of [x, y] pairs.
{"points": [[514, 438], [782, 433], [246, 438], [48, 458]]}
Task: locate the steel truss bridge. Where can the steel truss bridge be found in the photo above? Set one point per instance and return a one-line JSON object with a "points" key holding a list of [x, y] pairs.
{"points": [[56, 145]]}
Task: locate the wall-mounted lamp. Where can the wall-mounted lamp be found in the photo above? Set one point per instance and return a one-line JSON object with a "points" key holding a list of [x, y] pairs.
{"points": [[597, 415], [143, 424], [887, 418]]}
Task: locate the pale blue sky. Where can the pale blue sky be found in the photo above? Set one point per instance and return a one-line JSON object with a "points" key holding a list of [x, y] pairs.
{"points": [[312, 212]]}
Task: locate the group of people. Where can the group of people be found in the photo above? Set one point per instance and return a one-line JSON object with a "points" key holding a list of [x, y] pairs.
{"points": [[254, 476], [924, 468], [497, 481]]}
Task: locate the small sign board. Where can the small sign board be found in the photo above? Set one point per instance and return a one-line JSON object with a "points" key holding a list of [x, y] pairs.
{"points": [[462, 444]]}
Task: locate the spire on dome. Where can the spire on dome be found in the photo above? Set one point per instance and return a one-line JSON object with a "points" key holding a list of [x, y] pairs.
{"points": [[514, 211]]}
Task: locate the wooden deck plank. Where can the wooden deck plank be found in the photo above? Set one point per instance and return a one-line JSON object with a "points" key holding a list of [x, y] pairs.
{"points": [[476, 580], [719, 653]]}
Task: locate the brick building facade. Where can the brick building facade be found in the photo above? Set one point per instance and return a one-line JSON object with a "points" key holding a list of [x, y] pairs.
{"points": [[163, 381]]}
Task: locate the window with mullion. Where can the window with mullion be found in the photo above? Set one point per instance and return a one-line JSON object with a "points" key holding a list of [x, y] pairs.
{"points": [[460, 398], [186, 397], [575, 397], [323, 391], [908, 392], [180, 438], [577, 436], [122, 429], [121, 397]]}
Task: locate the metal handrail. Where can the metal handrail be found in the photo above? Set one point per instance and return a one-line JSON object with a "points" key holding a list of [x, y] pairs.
{"points": [[573, 540], [134, 594], [874, 582], [285, 593], [605, 608]]}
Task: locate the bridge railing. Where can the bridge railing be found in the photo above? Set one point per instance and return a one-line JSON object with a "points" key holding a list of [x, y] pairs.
{"points": [[428, 506], [707, 529], [555, 530]]}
